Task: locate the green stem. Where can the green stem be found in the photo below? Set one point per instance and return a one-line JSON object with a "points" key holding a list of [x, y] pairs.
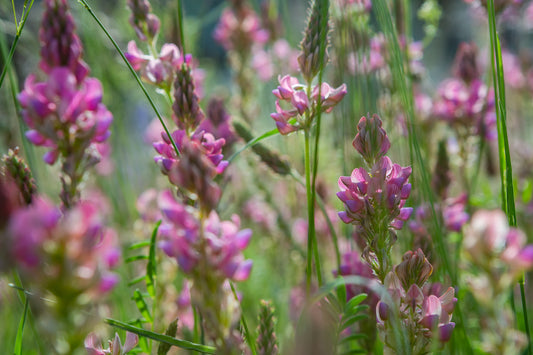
{"points": [[310, 214], [139, 82]]}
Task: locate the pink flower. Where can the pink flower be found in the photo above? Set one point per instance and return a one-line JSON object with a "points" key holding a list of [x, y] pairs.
{"points": [[353, 265], [329, 97], [371, 140]]}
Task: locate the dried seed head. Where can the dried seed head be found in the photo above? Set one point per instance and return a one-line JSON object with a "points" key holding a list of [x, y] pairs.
{"points": [[21, 174], [442, 174], [187, 111]]}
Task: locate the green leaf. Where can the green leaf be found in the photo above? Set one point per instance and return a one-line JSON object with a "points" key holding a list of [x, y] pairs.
{"points": [[139, 245], [135, 258], [253, 142], [355, 301], [142, 306], [151, 270], [357, 309], [353, 337], [183, 344], [136, 280], [352, 320]]}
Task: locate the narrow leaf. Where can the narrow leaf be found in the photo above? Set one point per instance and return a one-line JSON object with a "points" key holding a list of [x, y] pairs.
{"points": [[151, 265], [20, 330], [142, 306]]}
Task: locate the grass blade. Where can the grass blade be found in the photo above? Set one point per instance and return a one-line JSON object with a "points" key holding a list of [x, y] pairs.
{"points": [[142, 306], [183, 344], [20, 331]]}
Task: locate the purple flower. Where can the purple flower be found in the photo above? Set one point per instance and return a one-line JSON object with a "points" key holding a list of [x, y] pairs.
{"points": [[218, 123], [145, 24], [353, 265]]}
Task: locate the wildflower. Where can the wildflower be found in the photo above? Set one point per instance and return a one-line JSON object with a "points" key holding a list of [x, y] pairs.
{"points": [[353, 265]]}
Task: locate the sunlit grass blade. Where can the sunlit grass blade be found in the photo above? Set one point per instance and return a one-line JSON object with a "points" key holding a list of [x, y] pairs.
{"points": [[183, 344], [506, 170], [137, 79], [253, 142]]}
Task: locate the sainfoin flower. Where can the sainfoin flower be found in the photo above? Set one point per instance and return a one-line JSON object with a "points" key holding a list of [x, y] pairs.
{"points": [[217, 246], [367, 195], [239, 29]]}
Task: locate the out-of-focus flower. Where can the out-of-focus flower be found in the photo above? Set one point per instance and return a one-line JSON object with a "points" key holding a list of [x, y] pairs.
{"points": [[218, 245], [94, 347], [465, 65], [352, 265], [490, 242], [240, 29], [218, 123], [260, 213], [145, 23], [159, 71], [44, 238]]}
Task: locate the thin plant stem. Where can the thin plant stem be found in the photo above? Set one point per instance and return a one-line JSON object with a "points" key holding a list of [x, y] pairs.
{"points": [[139, 82], [20, 26], [249, 338]]}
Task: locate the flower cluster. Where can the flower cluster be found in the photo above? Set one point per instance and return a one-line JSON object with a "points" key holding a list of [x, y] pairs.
{"points": [[423, 308], [218, 123], [304, 101], [145, 23], [65, 112], [374, 199], [464, 100]]}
